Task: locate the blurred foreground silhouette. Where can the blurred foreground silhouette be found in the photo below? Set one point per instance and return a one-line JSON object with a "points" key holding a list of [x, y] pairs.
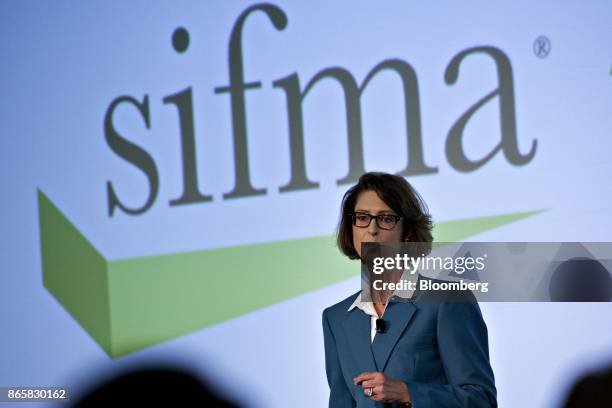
{"points": [[159, 386], [593, 390]]}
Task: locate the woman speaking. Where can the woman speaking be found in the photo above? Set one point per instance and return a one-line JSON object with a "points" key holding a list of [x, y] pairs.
{"points": [[419, 353]]}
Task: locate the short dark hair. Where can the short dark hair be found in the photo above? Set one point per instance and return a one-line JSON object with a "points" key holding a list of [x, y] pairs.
{"points": [[399, 195]]}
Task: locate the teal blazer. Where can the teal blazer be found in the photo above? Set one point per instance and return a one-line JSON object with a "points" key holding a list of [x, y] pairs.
{"points": [[438, 348]]}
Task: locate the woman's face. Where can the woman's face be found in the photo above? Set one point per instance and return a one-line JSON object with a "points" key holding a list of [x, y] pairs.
{"points": [[369, 202]]}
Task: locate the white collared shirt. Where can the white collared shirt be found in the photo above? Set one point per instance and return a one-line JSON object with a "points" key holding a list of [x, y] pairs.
{"points": [[368, 307]]}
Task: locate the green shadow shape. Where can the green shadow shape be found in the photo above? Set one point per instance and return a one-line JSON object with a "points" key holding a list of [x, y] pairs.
{"points": [[131, 304]]}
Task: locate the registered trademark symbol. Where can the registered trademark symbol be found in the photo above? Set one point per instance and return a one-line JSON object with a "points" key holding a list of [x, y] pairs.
{"points": [[541, 47]]}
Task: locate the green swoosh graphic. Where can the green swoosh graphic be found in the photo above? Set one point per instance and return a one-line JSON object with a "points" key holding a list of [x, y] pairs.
{"points": [[130, 304]]}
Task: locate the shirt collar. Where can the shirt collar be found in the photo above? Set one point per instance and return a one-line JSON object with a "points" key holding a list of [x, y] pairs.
{"points": [[368, 307]]}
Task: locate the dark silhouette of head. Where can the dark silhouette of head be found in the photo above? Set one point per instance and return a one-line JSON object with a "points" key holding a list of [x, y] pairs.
{"points": [[152, 386], [592, 391], [581, 280]]}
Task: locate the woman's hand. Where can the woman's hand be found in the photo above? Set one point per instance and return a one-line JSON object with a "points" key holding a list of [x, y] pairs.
{"points": [[381, 388]]}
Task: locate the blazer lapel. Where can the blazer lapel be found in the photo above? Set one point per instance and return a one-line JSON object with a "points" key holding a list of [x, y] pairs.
{"points": [[397, 316], [357, 327]]}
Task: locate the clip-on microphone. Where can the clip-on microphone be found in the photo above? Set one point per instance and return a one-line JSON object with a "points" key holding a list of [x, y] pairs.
{"points": [[380, 326]]}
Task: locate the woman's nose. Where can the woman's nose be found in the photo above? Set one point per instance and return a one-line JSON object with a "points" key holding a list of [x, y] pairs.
{"points": [[373, 227]]}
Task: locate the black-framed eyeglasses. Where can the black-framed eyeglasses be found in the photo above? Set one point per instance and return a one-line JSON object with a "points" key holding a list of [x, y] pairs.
{"points": [[384, 221]]}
